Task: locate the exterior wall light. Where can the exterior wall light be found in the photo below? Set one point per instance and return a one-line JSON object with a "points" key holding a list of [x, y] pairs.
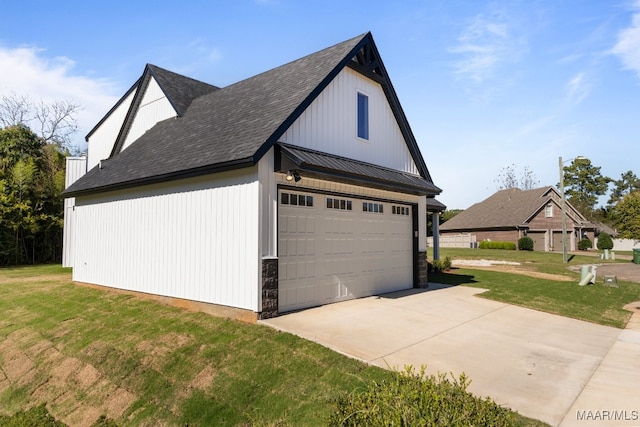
{"points": [[293, 175]]}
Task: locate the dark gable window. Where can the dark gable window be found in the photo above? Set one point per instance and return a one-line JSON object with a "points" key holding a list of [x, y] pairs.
{"points": [[363, 116]]}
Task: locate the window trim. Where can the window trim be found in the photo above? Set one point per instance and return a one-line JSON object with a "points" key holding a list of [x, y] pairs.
{"points": [[364, 136], [548, 211]]}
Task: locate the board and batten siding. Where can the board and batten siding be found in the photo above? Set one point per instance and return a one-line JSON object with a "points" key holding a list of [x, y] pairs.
{"points": [[195, 239], [76, 167], [153, 108], [102, 139], [329, 125]]}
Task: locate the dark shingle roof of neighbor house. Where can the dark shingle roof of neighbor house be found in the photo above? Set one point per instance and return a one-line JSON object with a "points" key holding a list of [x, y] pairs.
{"points": [[234, 126], [510, 208]]}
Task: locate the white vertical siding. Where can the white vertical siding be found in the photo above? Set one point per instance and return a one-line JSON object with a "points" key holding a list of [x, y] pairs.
{"points": [[153, 108], [422, 223], [268, 206], [101, 141], [195, 239], [75, 168], [329, 124]]}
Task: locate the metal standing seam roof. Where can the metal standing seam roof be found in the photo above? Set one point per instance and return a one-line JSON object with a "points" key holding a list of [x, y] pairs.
{"points": [[225, 128], [434, 205], [323, 163]]}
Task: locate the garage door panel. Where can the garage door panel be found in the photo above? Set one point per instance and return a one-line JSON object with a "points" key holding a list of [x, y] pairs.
{"points": [[311, 225], [330, 254]]}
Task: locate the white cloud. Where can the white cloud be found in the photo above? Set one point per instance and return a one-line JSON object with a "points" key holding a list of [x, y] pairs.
{"points": [[578, 88], [627, 46], [199, 45], [26, 71], [484, 44]]}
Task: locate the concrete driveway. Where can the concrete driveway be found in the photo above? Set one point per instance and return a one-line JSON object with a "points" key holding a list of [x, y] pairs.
{"points": [[559, 370]]}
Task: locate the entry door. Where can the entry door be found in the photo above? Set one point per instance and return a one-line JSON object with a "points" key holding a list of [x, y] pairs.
{"points": [[333, 248]]}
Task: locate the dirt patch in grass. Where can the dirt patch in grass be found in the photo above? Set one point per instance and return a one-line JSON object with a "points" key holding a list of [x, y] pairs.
{"points": [[77, 390], [514, 269], [39, 279], [203, 380], [156, 350]]}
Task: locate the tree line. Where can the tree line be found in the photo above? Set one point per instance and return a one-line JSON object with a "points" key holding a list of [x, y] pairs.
{"points": [[584, 184], [32, 178]]}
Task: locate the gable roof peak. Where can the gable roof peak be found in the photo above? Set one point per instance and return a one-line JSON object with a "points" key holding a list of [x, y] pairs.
{"points": [[180, 90], [236, 125]]}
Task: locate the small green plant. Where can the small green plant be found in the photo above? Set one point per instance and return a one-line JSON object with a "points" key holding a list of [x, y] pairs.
{"points": [[489, 244], [412, 398], [442, 264], [525, 243], [585, 244], [604, 241], [36, 416]]}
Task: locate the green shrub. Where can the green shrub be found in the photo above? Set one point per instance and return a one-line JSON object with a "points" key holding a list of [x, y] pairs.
{"points": [[525, 243], [443, 264], [604, 241], [585, 244], [488, 244], [36, 416], [415, 399]]}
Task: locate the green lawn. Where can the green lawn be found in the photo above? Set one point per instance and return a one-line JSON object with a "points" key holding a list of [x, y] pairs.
{"points": [[597, 303], [89, 352]]}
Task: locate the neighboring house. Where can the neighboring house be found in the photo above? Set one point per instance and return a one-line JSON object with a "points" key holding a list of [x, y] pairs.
{"points": [[511, 214], [301, 186]]}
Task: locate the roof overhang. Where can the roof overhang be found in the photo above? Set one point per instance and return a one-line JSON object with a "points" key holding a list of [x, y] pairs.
{"points": [[76, 189], [434, 205], [316, 164]]}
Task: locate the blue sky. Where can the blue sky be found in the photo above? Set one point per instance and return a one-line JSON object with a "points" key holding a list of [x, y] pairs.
{"points": [[484, 84]]}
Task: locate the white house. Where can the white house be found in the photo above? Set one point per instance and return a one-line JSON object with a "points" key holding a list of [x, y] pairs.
{"points": [[301, 186]]}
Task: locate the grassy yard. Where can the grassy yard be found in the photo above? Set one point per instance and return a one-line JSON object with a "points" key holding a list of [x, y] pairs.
{"points": [[598, 304], [88, 352]]}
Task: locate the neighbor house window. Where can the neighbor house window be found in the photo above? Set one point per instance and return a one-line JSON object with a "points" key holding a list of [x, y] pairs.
{"points": [[548, 211], [363, 116]]}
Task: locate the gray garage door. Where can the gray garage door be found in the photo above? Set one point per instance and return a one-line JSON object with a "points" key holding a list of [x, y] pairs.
{"points": [[334, 248]]}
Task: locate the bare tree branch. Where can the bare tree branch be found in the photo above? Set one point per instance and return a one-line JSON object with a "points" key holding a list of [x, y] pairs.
{"points": [[507, 178], [15, 110], [57, 121]]}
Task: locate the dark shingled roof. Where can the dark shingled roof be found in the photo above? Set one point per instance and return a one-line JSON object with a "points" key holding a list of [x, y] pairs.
{"points": [[511, 208], [224, 128], [180, 90]]}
